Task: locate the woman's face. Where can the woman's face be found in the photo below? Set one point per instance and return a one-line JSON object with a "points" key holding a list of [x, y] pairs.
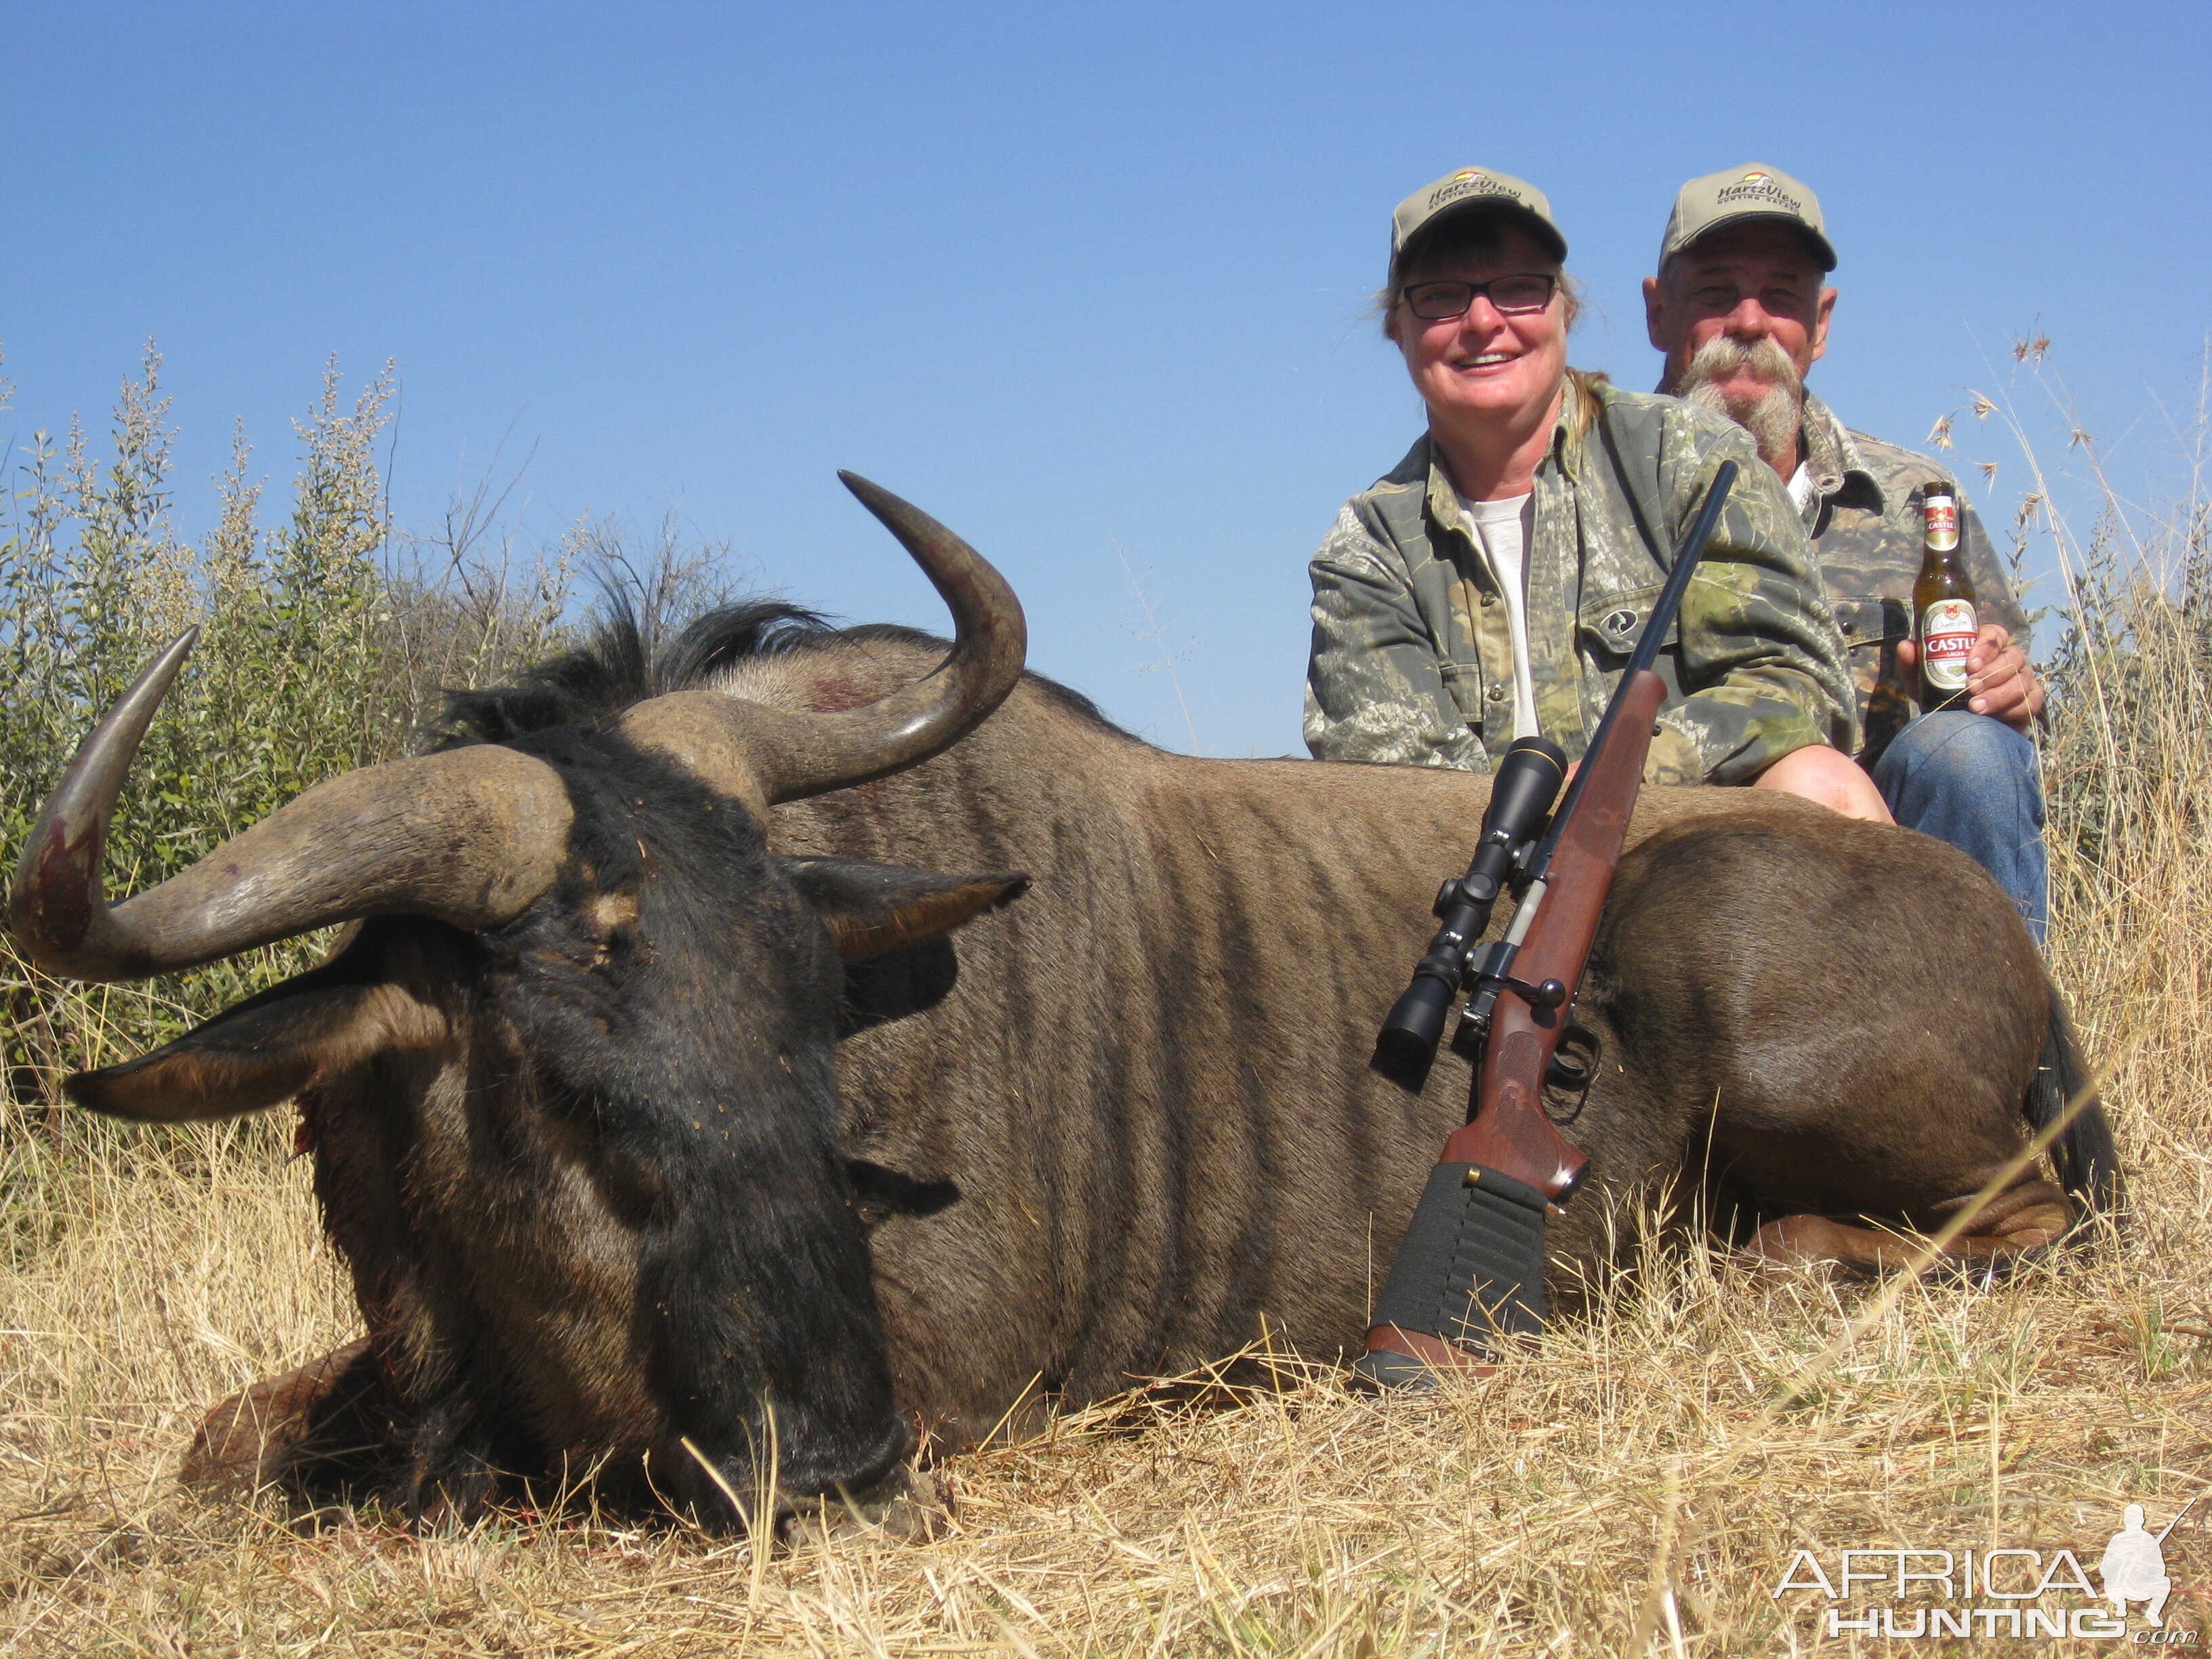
{"points": [[1488, 368]]}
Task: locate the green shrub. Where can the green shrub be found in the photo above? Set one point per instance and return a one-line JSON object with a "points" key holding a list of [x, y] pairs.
{"points": [[318, 652]]}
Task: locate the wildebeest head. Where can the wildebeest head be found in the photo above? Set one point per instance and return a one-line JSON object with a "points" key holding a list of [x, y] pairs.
{"points": [[569, 1084]]}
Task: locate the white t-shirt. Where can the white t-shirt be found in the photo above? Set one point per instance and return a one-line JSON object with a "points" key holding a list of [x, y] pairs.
{"points": [[1504, 529], [1800, 487]]}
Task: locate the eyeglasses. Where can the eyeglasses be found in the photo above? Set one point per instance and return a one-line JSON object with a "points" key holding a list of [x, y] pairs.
{"points": [[1511, 296]]}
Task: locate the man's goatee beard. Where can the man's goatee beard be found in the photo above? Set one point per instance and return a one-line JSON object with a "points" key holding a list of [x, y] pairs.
{"points": [[1774, 418]]}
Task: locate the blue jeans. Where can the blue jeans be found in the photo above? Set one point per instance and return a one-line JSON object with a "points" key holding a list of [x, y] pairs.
{"points": [[1970, 779]]}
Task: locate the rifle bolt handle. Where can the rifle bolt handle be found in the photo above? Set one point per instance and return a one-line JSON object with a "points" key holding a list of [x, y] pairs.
{"points": [[1550, 994]]}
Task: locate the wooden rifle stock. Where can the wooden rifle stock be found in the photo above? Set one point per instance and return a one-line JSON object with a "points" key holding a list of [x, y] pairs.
{"points": [[1510, 1132]]}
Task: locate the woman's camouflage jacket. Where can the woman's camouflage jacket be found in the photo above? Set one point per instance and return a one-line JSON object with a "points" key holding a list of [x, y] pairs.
{"points": [[1412, 661]]}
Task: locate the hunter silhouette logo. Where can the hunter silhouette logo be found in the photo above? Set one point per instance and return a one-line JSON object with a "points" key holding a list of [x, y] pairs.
{"points": [[2133, 1567], [2011, 1592]]}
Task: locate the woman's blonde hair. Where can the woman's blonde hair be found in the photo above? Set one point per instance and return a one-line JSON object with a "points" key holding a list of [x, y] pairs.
{"points": [[1587, 381]]}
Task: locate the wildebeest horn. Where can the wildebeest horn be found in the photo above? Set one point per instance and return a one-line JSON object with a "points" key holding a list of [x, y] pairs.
{"points": [[469, 837], [472, 835], [790, 754]]}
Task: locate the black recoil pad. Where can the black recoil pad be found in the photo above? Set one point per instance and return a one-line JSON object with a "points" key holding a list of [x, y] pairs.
{"points": [[1471, 1269]]}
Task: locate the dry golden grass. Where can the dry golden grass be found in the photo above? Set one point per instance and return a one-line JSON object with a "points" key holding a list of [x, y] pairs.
{"points": [[1525, 1513], [1636, 1485]]}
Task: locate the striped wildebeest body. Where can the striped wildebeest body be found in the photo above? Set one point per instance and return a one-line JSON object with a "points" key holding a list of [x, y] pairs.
{"points": [[671, 1131], [1151, 1083]]}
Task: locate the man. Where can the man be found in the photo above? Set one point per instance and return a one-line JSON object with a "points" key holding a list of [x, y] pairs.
{"points": [[1740, 308]]}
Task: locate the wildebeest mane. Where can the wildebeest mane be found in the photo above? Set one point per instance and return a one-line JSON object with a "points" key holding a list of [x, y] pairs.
{"points": [[621, 665]]}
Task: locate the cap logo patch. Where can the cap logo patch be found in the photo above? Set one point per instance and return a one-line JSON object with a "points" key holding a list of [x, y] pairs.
{"points": [[1755, 177], [1468, 183]]}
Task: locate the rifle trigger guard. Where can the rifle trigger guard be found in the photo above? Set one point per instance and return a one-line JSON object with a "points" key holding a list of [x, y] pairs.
{"points": [[1574, 1062]]}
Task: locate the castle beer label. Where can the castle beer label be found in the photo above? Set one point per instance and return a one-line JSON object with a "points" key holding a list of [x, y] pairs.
{"points": [[1941, 514], [1947, 632]]}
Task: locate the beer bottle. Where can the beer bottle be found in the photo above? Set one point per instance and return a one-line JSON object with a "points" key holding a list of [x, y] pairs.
{"points": [[1944, 624]]}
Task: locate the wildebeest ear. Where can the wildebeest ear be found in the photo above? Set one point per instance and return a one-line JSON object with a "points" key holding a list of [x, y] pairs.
{"points": [[262, 1051], [873, 910]]}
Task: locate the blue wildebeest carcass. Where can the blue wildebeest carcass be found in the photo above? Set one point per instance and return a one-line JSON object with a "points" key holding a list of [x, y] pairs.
{"points": [[665, 1128]]}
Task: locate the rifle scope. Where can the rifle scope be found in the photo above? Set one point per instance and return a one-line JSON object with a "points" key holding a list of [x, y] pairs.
{"points": [[1526, 782]]}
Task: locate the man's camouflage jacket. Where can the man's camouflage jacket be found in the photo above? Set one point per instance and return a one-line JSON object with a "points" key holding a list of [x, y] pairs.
{"points": [[1411, 660]]}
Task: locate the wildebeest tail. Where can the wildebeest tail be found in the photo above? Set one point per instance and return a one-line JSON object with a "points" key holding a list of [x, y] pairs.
{"points": [[2088, 1163]]}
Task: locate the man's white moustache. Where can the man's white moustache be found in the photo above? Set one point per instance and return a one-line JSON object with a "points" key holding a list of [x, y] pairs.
{"points": [[1721, 355]]}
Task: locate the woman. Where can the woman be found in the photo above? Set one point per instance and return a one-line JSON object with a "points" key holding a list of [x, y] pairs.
{"points": [[1494, 583]]}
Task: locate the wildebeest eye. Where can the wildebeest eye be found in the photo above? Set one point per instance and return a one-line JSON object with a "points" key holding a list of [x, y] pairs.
{"points": [[878, 1193]]}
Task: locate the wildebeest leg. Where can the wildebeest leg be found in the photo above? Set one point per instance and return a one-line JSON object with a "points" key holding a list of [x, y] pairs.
{"points": [[1857, 1074], [2030, 1216], [322, 1424]]}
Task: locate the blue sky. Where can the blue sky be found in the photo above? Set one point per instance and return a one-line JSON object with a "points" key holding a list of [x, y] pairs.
{"points": [[1090, 285]]}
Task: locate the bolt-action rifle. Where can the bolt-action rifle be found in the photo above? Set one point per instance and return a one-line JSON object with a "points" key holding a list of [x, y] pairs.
{"points": [[1471, 1269]]}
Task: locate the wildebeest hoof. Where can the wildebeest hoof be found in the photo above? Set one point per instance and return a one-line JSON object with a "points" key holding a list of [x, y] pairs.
{"points": [[918, 1508]]}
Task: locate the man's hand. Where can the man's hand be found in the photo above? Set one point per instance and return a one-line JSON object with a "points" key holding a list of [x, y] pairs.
{"points": [[2000, 680]]}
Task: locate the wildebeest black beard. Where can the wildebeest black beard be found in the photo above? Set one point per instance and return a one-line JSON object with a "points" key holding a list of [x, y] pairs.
{"points": [[629, 1225]]}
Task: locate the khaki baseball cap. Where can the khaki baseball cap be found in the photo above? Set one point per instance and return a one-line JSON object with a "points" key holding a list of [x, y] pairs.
{"points": [[1466, 191], [1736, 194]]}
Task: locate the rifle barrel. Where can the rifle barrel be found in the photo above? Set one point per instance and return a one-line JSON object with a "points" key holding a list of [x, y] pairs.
{"points": [[1647, 648]]}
